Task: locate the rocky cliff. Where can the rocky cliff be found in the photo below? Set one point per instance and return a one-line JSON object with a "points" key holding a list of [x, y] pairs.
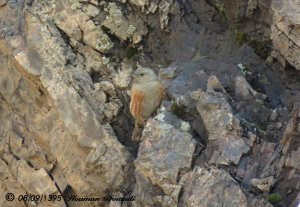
{"points": [[227, 133]]}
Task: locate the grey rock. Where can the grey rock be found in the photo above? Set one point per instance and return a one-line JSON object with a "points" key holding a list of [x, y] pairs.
{"points": [[140, 3], [112, 109], [256, 167], [164, 8], [110, 163], [164, 155], [264, 184], [166, 75], [258, 202], [91, 10], [121, 27], [16, 143], [294, 159], [78, 26], [59, 178], [243, 90], [285, 30], [274, 115], [122, 78], [100, 96], [296, 201], [92, 61], [207, 105], [224, 130], [211, 187], [59, 95], [236, 12], [96, 38], [187, 77], [4, 170], [231, 151], [35, 181]]}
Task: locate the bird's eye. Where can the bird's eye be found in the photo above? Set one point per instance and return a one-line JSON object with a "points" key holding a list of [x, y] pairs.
{"points": [[142, 74]]}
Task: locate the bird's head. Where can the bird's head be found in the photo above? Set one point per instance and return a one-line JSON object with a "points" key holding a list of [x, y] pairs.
{"points": [[143, 75]]}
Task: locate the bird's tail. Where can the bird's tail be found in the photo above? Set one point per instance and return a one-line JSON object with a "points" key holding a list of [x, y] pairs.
{"points": [[137, 132]]}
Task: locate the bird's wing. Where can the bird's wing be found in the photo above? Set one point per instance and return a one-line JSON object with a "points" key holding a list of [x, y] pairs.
{"points": [[162, 92], [137, 98]]}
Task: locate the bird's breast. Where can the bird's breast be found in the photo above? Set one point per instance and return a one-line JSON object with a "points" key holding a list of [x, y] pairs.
{"points": [[152, 96]]}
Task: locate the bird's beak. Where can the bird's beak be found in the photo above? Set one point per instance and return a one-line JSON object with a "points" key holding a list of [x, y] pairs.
{"points": [[133, 75]]}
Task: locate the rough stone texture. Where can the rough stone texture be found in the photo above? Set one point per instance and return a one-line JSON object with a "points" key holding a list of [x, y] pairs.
{"points": [[35, 182], [75, 24], [165, 154], [263, 184], [122, 28], [289, 162], [54, 119], [122, 78], [224, 130], [201, 182], [249, 16], [227, 135], [286, 30]]}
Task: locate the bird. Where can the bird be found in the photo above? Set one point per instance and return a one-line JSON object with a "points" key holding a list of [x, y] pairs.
{"points": [[146, 95]]}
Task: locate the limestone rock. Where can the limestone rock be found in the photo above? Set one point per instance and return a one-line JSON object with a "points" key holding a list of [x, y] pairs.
{"points": [[59, 101], [121, 27], [243, 90], [141, 3], [259, 202], [4, 170], [166, 75], [165, 153], [165, 8], [35, 181], [236, 12], [286, 30], [122, 78], [208, 104], [293, 160], [296, 201], [224, 129], [92, 61], [78, 26], [110, 163], [59, 178], [91, 10], [264, 184], [211, 187]]}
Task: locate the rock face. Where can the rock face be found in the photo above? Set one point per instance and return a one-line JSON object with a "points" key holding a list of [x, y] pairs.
{"points": [[165, 154], [285, 31], [226, 135], [224, 130], [44, 88], [250, 16], [201, 182]]}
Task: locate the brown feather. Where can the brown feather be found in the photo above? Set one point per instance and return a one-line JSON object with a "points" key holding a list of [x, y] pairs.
{"points": [[136, 104]]}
